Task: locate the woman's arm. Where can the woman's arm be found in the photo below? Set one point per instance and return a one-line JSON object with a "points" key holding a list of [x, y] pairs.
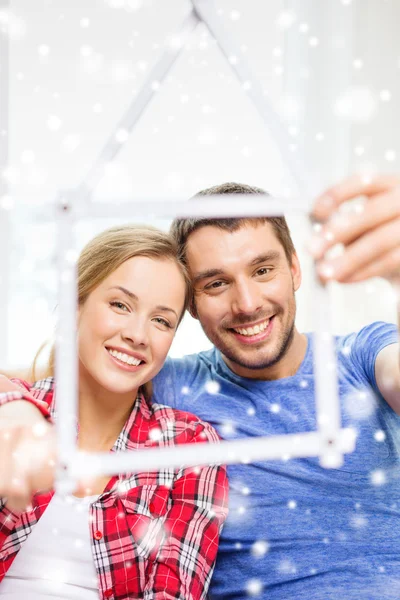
{"points": [[27, 444], [17, 390], [185, 559]]}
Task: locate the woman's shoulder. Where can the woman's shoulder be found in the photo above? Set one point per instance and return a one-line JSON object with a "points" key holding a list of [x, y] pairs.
{"points": [[42, 390], [184, 424]]}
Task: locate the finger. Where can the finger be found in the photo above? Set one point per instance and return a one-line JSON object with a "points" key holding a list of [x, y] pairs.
{"points": [[366, 250], [8, 443], [344, 228], [85, 487], [19, 495], [17, 475], [387, 265], [353, 187]]}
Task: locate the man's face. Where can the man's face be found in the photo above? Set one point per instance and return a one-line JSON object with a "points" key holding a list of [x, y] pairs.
{"points": [[244, 294]]}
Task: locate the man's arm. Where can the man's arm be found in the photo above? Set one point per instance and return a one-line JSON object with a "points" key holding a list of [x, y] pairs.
{"points": [[387, 369], [387, 374], [371, 248]]}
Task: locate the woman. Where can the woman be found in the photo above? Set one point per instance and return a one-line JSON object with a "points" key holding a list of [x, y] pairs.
{"points": [[142, 535]]}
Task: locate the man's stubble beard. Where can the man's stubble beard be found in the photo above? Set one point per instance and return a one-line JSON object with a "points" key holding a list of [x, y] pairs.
{"points": [[283, 345]]}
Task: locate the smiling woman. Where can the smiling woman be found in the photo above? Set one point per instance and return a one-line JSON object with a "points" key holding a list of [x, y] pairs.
{"points": [[136, 531]]}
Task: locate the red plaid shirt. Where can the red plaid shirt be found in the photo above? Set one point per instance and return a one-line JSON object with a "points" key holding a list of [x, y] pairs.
{"points": [[154, 535]]}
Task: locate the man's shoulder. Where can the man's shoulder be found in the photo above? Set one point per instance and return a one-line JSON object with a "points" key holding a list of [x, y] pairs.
{"points": [[191, 363], [180, 375], [373, 336]]}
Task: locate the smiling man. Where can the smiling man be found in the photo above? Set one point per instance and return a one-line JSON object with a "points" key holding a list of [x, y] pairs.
{"points": [[296, 531]]}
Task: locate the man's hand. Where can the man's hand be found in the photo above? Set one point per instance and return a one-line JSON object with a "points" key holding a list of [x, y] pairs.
{"points": [[370, 235], [28, 452]]}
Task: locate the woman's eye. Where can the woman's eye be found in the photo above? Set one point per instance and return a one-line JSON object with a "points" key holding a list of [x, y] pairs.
{"points": [[119, 305], [163, 322]]}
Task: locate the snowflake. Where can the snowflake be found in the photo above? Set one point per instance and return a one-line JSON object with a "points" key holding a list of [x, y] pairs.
{"points": [[228, 428], [54, 122], [259, 548], [212, 387], [390, 155], [71, 142], [378, 477], [285, 19], [360, 405], [379, 435], [254, 587], [385, 95], [356, 104], [44, 50], [358, 521], [121, 136], [155, 434], [287, 567]]}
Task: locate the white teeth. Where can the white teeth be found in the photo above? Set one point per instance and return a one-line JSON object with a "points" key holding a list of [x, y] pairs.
{"points": [[253, 330], [125, 358]]}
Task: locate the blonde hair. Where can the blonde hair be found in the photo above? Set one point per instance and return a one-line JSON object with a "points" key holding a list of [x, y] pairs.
{"points": [[109, 250]]}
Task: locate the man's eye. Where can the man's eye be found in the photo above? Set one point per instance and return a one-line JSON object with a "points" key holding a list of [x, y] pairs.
{"points": [[119, 305], [214, 285], [263, 271]]}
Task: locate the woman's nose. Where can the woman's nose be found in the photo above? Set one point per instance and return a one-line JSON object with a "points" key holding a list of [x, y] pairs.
{"points": [[136, 332]]}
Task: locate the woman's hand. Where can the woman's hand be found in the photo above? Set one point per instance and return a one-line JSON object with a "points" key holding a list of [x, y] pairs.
{"points": [[27, 450], [370, 235]]}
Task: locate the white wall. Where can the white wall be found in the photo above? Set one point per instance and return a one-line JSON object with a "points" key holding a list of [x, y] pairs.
{"points": [[75, 67]]}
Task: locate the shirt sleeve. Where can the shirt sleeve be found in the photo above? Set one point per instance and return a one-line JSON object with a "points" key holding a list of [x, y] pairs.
{"points": [[21, 390], [367, 344], [186, 557]]}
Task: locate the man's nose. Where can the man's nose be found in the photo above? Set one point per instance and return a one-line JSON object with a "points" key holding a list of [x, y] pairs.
{"points": [[247, 298]]}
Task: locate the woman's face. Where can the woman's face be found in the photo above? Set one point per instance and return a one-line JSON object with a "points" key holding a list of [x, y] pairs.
{"points": [[127, 324]]}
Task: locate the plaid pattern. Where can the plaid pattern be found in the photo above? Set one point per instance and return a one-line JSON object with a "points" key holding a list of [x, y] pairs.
{"points": [[154, 535]]}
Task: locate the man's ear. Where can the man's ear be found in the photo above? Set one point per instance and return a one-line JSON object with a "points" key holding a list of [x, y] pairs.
{"points": [[192, 309], [296, 272]]}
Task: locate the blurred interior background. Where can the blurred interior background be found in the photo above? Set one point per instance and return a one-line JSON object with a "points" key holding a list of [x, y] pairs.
{"points": [[68, 71]]}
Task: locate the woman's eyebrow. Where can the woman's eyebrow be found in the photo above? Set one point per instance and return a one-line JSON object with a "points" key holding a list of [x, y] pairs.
{"points": [[134, 297]]}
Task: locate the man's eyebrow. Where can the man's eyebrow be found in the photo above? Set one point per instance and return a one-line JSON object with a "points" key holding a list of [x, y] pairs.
{"points": [[207, 274], [266, 257], [272, 255], [136, 299]]}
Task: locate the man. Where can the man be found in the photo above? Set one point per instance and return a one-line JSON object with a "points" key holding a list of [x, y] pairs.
{"points": [[295, 530]]}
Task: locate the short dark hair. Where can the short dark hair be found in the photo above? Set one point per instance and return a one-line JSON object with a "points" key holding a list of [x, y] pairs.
{"points": [[182, 228]]}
